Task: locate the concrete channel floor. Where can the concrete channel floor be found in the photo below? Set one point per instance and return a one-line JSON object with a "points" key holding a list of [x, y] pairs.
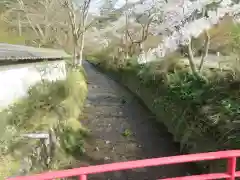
{"points": [[112, 111]]}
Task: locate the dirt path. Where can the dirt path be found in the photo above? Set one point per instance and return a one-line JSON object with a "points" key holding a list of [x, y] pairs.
{"points": [[110, 111]]}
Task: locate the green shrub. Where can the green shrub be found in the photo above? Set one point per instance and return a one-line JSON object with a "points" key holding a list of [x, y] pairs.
{"points": [[202, 114], [49, 105]]}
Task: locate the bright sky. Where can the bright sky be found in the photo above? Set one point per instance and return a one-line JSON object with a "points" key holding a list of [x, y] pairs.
{"points": [[97, 3], [120, 3]]}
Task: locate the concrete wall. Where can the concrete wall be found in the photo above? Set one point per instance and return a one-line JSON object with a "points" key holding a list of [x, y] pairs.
{"points": [[15, 80]]}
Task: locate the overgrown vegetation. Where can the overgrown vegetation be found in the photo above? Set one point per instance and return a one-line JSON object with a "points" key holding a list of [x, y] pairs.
{"points": [[200, 108], [51, 108], [201, 113]]}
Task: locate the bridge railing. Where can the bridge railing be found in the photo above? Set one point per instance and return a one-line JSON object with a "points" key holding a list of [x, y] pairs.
{"points": [[82, 172]]}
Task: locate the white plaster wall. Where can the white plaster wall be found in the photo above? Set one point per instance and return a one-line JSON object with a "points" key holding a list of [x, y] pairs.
{"points": [[15, 80]]}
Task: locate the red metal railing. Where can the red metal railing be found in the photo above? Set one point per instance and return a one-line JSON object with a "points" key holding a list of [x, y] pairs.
{"points": [[82, 172]]}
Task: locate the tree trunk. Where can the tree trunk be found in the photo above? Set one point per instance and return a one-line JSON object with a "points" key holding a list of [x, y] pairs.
{"points": [[205, 50], [191, 59], [126, 34], [74, 53], [19, 25], [80, 50]]}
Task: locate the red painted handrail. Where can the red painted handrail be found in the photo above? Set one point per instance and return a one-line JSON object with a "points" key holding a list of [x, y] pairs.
{"points": [[82, 172]]}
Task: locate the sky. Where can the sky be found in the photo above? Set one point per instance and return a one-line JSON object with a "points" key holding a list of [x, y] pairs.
{"points": [[120, 3], [94, 8]]}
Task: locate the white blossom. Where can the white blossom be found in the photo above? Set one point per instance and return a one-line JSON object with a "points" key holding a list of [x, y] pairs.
{"points": [[176, 21], [192, 28]]}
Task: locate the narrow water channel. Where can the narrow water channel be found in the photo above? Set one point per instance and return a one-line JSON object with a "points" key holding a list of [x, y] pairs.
{"points": [[123, 129]]}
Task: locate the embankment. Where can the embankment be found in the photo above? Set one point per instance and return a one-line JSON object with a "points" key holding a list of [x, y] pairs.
{"points": [[201, 115]]}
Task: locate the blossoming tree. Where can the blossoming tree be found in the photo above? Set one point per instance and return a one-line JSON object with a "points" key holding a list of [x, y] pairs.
{"points": [[180, 21]]}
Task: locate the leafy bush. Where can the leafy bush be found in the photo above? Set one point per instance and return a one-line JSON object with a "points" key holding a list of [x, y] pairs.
{"points": [[202, 114], [49, 105]]}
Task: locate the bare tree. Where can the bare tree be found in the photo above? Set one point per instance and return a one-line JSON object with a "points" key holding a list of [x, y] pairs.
{"points": [[145, 19], [78, 15], [40, 16], [36, 27]]}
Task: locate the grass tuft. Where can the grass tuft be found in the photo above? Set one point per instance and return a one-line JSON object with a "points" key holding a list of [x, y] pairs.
{"points": [[49, 105]]}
